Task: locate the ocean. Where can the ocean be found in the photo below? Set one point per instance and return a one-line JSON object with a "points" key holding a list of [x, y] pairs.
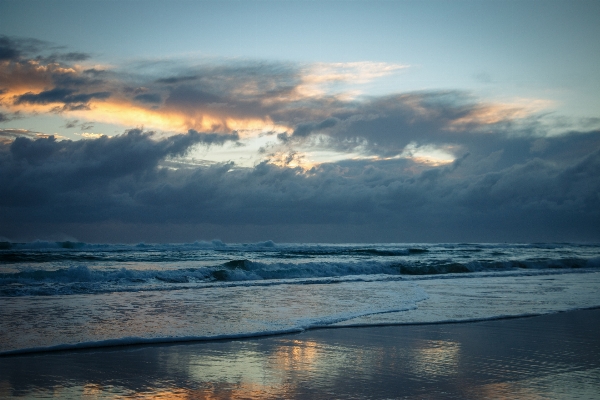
{"points": [[71, 295]]}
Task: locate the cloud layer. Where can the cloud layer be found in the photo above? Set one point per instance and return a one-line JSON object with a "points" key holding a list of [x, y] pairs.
{"points": [[44, 181], [421, 166]]}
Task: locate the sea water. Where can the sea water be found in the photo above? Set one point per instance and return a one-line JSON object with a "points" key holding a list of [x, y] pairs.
{"points": [[62, 295]]}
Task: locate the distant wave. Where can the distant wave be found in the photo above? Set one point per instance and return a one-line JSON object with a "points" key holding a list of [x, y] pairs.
{"points": [[70, 245]]}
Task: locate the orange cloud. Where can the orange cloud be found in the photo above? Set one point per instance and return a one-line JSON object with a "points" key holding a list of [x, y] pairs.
{"points": [[316, 78], [123, 112], [21, 77], [490, 114]]}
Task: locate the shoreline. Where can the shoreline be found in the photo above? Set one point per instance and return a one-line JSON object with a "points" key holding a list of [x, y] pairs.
{"points": [[550, 356], [134, 342]]}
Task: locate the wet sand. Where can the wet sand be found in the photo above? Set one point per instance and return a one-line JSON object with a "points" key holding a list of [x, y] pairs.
{"points": [[553, 356]]}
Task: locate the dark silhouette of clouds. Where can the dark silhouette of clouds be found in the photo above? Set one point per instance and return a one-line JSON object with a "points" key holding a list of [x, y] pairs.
{"points": [[151, 98], [60, 95], [45, 181], [16, 48], [4, 117], [7, 50], [177, 79], [306, 129]]}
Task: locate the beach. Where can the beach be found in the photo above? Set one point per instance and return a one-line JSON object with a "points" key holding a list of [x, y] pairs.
{"points": [[299, 199], [209, 320], [552, 356]]}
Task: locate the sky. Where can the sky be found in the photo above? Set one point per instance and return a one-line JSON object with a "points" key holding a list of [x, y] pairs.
{"points": [[300, 121]]}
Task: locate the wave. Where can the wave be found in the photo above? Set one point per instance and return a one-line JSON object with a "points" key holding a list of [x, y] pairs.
{"points": [[73, 251], [43, 252], [84, 279]]}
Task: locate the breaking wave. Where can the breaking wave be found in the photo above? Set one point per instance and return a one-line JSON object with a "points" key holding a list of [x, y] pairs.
{"points": [[85, 279]]}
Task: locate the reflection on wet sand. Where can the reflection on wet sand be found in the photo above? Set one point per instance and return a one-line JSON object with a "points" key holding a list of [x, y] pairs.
{"points": [[297, 354], [554, 356], [436, 358], [571, 385]]}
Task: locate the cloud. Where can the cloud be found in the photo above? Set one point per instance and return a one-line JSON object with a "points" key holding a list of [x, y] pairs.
{"points": [[70, 124], [177, 79], [246, 96], [12, 48], [4, 117], [16, 49], [60, 95], [148, 98], [7, 51], [311, 107], [303, 130], [44, 169], [429, 165], [121, 179], [7, 135], [433, 126]]}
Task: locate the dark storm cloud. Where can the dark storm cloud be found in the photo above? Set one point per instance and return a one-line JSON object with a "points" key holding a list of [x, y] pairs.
{"points": [[7, 50], [45, 170], [15, 49], [60, 95], [306, 129], [187, 97], [120, 179], [213, 138], [177, 79], [152, 98]]}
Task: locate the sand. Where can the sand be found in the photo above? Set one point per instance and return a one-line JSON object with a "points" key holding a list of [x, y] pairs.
{"points": [[553, 356]]}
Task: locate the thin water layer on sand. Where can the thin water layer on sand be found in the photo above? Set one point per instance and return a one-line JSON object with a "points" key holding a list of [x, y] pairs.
{"points": [[493, 297], [37, 323], [555, 356]]}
